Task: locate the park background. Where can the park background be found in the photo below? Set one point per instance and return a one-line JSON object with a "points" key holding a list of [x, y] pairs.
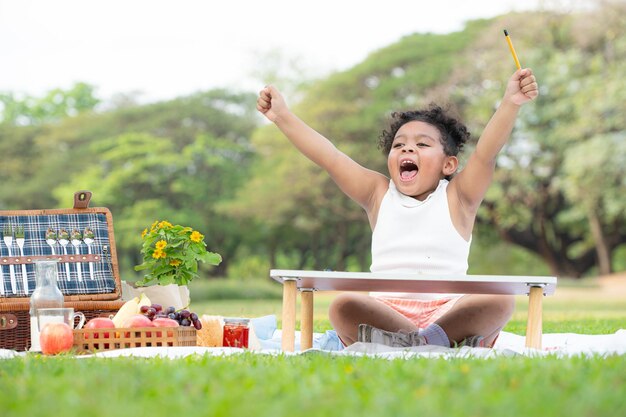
{"points": [[138, 129], [208, 160]]}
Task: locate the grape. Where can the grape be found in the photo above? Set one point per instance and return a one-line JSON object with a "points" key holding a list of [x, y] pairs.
{"points": [[172, 316], [185, 322], [184, 314], [197, 324], [170, 310], [157, 307], [144, 309], [193, 317]]}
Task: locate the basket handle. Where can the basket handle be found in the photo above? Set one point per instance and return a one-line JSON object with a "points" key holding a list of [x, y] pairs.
{"points": [[82, 199]]}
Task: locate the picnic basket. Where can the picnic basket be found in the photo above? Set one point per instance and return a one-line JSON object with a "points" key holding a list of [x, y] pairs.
{"points": [[96, 292], [97, 340]]}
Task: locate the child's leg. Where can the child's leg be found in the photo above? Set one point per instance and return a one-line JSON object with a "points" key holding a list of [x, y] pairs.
{"points": [[349, 310], [482, 315]]}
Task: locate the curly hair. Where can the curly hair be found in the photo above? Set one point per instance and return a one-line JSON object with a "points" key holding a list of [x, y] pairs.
{"points": [[454, 134]]}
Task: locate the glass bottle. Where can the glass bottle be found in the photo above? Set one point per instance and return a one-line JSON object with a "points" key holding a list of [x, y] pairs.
{"points": [[46, 295], [236, 332]]}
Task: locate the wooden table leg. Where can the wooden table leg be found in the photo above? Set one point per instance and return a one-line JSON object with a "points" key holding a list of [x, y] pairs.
{"points": [[306, 319], [534, 325], [289, 314]]}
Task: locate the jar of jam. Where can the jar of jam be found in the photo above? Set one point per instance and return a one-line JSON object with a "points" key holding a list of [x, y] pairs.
{"points": [[236, 332]]}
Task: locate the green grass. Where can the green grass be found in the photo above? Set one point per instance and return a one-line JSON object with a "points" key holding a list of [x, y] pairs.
{"points": [[256, 385], [560, 315], [308, 385]]}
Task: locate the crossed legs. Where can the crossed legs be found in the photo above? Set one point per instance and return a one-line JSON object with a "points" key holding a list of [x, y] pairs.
{"points": [[474, 314]]}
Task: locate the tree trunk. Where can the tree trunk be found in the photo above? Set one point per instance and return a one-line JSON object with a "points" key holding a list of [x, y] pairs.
{"points": [[604, 254]]}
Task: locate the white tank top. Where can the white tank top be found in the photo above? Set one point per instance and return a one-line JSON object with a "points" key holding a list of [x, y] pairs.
{"points": [[417, 237]]}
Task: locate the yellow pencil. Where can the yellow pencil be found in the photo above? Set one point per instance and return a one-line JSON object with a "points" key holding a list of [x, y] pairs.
{"points": [[508, 39]]}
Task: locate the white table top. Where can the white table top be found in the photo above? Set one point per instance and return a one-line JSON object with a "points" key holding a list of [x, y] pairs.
{"points": [[404, 282]]}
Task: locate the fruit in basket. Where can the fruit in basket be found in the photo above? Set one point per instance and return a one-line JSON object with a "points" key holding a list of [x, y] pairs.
{"points": [[100, 323], [138, 320], [56, 338], [130, 308], [165, 322]]}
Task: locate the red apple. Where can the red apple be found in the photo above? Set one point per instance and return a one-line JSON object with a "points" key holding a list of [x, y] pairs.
{"points": [[165, 322], [100, 323], [138, 320], [56, 338]]}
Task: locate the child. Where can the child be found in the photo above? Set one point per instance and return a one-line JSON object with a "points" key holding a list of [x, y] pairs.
{"points": [[422, 218]]}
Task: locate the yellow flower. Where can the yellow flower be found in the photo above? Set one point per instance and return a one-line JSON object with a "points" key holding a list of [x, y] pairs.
{"points": [[161, 244], [144, 233], [157, 254], [165, 225], [154, 225], [196, 236], [175, 262]]}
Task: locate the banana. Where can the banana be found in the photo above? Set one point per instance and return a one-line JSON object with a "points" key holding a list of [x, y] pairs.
{"points": [[130, 308]]}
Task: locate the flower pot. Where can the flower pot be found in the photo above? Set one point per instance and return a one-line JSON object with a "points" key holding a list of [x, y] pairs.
{"points": [[166, 295]]}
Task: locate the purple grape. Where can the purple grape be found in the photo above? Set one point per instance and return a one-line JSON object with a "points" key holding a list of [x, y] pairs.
{"points": [[197, 324], [170, 310], [184, 314], [172, 316], [185, 322], [157, 307], [144, 309], [193, 317]]}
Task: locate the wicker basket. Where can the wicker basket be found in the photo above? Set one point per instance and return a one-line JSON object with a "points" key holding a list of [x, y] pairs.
{"points": [[93, 340], [15, 320], [97, 297]]}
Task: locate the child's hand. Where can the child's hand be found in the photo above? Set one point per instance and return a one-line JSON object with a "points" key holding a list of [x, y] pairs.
{"points": [[270, 103], [522, 87]]}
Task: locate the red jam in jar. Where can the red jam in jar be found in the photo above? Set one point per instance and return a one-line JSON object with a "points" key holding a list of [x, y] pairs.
{"points": [[236, 332]]}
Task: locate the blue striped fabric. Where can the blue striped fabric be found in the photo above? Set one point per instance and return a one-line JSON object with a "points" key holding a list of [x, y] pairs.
{"points": [[35, 228]]}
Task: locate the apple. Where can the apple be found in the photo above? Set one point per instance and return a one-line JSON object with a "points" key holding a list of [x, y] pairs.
{"points": [[165, 322], [100, 323], [138, 320], [56, 338]]}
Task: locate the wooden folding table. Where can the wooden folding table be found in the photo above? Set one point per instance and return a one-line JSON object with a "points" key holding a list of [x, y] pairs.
{"points": [[307, 282]]}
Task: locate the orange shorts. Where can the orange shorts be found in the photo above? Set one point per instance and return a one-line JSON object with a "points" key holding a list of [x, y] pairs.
{"points": [[420, 312]]}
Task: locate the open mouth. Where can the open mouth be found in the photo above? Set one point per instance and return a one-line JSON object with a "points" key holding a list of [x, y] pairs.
{"points": [[408, 170]]}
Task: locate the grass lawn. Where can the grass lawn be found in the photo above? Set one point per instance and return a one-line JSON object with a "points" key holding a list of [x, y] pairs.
{"points": [[260, 385]]}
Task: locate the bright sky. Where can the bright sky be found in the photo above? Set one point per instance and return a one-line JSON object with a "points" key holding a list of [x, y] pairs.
{"points": [[171, 48]]}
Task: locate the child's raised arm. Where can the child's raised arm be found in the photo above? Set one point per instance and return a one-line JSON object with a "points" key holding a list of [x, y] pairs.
{"points": [[359, 183], [471, 184]]}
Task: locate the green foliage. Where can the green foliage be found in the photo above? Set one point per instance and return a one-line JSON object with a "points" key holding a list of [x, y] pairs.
{"points": [[248, 268], [54, 106], [171, 254], [173, 160]]}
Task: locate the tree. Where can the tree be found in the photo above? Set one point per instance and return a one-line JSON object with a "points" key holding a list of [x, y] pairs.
{"points": [[52, 107], [173, 160], [556, 187]]}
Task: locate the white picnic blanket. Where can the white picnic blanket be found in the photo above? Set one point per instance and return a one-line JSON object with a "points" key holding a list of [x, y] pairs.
{"points": [[508, 344]]}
